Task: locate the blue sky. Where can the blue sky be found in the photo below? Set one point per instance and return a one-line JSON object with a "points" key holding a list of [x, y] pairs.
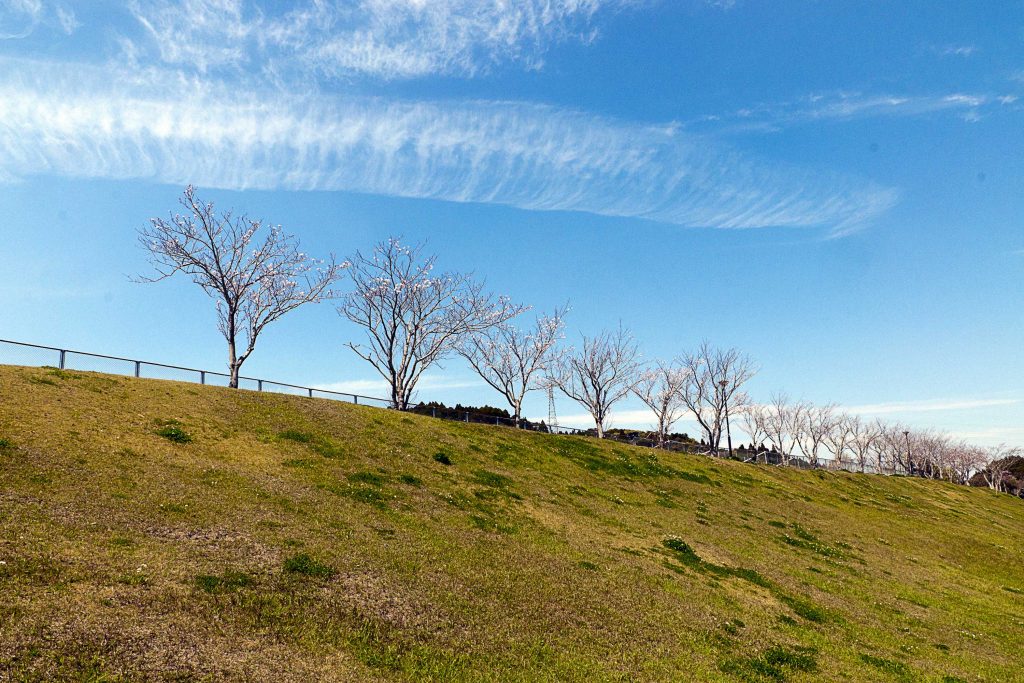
{"points": [[835, 188]]}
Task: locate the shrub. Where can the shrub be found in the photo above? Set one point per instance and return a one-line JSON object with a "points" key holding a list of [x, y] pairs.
{"points": [[678, 545], [683, 552]]}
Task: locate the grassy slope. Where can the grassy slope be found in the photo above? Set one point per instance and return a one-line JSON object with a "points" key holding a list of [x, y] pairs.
{"points": [[308, 540]]}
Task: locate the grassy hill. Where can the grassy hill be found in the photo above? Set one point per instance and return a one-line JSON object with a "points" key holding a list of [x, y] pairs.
{"points": [[176, 532]]}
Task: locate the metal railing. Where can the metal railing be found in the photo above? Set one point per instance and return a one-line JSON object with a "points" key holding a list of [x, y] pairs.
{"points": [[117, 365], [39, 355], [33, 355]]}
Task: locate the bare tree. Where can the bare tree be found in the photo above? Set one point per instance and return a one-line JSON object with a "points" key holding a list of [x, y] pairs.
{"points": [[891, 451], [660, 387], [255, 281], [813, 427], [839, 438], [966, 462], [601, 373], [863, 436], [782, 425], [413, 319], [514, 361], [932, 451], [755, 424], [998, 468], [714, 387]]}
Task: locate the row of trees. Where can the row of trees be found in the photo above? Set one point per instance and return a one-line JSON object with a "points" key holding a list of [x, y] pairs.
{"points": [[824, 434], [413, 318]]}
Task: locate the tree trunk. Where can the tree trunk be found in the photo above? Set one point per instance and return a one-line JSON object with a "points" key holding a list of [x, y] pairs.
{"points": [[397, 395], [600, 429], [233, 364]]}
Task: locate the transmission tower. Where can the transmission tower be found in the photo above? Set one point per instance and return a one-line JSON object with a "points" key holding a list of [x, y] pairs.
{"points": [[552, 417]]}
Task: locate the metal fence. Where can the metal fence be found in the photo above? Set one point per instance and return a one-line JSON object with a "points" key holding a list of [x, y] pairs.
{"points": [[22, 353], [36, 355]]}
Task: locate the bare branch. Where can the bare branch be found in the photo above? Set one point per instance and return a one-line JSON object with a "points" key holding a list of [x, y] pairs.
{"points": [[714, 386], [254, 282], [601, 373], [413, 319], [514, 361], [660, 387]]}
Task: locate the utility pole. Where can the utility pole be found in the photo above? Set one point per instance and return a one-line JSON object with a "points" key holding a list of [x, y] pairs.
{"points": [[725, 402], [910, 463]]}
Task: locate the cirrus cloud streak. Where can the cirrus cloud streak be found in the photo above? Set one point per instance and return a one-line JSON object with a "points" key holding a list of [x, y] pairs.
{"points": [[97, 123]]}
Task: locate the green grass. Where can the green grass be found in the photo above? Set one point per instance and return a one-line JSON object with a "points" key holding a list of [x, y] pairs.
{"points": [[172, 431], [289, 539], [307, 566]]}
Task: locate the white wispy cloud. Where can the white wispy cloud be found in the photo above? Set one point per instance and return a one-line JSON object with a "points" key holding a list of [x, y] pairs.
{"points": [[20, 18], [846, 106], [955, 50], [382, 38], [78, 121], [928, 406], [66, 19], [990, 436]]}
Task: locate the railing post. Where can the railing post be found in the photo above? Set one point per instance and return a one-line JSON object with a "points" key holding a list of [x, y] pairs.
{"points": [[138, 368], [62, 356], [311, 393], [259, 385], [355, 399], [467, 416], [202, 376], [433, 411]]}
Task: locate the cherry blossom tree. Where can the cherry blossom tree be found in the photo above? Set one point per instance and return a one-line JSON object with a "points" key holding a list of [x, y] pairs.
{"points": [[839, 439], [755, 418], [967, 461], [714, 387], [892, 448], [997, 470], [601, 373], [255, 271], [813, 427], [863, 435], [514, 361], [412, 318], [782, 425], [660, 387]]}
